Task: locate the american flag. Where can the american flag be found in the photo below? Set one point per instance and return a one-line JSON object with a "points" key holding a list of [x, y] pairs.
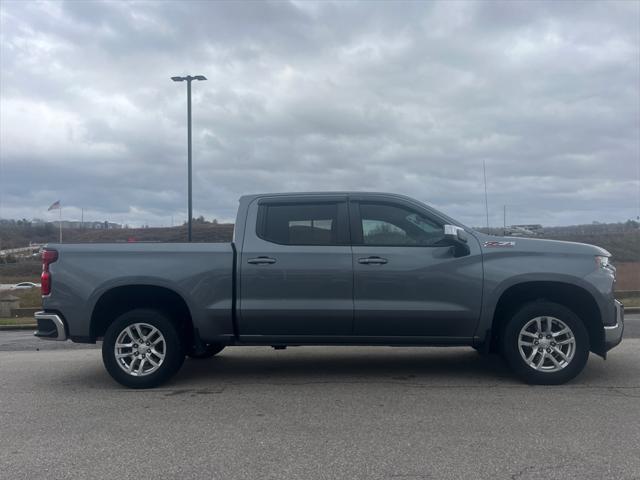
{"points": [[55, 206]]}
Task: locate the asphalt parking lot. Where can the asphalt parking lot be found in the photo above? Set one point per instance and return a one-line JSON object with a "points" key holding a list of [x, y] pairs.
{"points": [[317, 412]]}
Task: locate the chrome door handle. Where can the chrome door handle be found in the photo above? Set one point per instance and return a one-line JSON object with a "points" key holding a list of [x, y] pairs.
{"points": [[261, 261], [372, 261]]}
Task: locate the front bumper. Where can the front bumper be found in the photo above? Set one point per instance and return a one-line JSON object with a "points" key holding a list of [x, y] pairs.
{"points": [[613, 333], [50, 326]]}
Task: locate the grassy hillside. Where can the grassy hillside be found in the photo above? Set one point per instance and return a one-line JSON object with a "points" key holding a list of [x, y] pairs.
{"points": [[25, 271], [624, 246], [15, 236]]}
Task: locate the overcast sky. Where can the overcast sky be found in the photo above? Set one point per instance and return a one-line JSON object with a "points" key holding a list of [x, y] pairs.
{"points": [[400, 97]]}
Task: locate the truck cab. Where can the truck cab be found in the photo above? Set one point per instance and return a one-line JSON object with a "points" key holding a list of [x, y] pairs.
{"points": [[365, 267]]}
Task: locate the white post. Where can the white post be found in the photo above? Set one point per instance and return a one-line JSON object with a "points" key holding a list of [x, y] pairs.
{"points": [[486, 198]]}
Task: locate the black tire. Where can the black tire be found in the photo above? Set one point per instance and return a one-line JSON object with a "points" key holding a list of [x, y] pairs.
{"points": [[210, 350], [173, 349], [513, 357]]}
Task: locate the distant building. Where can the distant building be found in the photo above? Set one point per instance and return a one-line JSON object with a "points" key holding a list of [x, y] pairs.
{"points": [[87, 225]]}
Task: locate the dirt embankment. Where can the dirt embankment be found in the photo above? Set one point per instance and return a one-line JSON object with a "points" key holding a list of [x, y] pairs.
{"points": [[628, 276]]}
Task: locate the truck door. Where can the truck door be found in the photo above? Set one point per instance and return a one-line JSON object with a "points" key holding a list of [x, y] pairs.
{"points": [[296, 271], [407, 281]]}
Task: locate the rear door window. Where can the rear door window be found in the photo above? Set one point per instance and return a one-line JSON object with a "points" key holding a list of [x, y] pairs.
{"points": [[303, 224]]}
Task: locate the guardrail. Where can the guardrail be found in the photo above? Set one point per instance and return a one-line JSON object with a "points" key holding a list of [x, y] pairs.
{"points": [[24, 312], [30, 248], [627, 293]]}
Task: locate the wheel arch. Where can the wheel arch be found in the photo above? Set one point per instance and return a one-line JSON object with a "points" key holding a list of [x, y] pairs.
{"points": [[119, 299], [574, 297]]}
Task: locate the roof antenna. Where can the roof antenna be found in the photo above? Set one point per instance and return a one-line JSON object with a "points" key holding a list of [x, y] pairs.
{"points": [[486, 198]]}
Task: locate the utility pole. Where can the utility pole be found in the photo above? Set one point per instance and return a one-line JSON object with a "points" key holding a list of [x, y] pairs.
{"points": [[189, 79]]}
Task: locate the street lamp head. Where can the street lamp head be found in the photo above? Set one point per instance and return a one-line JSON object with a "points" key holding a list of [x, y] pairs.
{"points": [[188, 78]]}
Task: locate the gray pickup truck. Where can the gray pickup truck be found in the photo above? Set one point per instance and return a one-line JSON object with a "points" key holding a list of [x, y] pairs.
{"points": [[334, 269]]}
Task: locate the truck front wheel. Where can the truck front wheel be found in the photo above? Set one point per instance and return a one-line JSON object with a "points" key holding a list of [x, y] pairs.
{"points": [[142, 349], [545, 343]]}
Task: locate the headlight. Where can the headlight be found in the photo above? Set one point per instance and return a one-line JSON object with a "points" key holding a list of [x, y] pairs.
{"points": [[602, 261]]}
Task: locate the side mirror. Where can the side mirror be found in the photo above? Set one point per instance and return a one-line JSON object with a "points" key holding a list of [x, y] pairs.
{"points": [[458, 238], [454, 233]]}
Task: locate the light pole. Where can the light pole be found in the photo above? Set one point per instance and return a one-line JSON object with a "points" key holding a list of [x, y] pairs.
{"points": [[189, 79]]}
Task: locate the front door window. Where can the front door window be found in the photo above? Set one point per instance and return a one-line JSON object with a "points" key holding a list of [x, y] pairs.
{"points": [[391, 225]]}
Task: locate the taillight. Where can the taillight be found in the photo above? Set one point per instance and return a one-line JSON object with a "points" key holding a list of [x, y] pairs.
{"points": [[48, 257]]}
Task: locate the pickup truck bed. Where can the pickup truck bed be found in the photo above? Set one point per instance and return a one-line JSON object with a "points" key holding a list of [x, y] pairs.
{"points": [[201, 274]]}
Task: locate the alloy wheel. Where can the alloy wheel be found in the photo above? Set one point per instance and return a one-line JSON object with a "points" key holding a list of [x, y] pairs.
{"points": [[546, 344], [140, 349]]}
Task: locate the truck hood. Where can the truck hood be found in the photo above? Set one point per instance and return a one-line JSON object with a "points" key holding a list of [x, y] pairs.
{"points": [[492, 243]]}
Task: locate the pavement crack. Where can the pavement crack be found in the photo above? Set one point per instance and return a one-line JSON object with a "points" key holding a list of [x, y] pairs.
{"points": [[540, 471], [521, 472], [411, 475], [192, 392]]}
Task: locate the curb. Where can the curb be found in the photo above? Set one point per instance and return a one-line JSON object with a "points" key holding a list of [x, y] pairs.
{"points": [[18, 327], [631, 310]]}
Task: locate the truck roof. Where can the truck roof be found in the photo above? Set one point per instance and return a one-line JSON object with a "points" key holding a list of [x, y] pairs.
{"points": [[252, 196], [247, 200]]}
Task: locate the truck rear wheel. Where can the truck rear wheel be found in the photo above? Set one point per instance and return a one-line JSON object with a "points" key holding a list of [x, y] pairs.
{"points": [[142, 349], [545, 343]]}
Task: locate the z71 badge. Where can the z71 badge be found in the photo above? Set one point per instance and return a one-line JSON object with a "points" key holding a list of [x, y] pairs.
{"points": [[497, 244]]}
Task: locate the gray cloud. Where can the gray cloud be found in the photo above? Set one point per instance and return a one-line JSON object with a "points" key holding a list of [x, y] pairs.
{"points": [[408, 97]]}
